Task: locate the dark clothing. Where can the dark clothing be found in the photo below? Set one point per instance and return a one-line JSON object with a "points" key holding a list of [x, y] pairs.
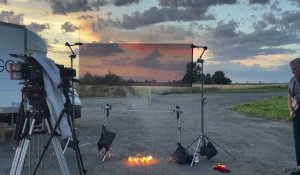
{"points": [[294, 91], [296, 130]]}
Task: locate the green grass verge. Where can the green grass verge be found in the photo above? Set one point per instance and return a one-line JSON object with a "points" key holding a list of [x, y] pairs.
{"points": [[271, 108]]}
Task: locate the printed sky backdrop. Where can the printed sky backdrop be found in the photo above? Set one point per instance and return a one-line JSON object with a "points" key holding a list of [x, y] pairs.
{"points": [[250, 40], [138, 62]]}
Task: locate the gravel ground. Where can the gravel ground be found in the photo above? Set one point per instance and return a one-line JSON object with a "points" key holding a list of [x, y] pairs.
{"points": [[148, 126]]}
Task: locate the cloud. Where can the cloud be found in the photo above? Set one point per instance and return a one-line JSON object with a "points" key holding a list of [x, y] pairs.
{"points": [[194, 4], [270, 18], [86, 17], [68, 6], [69, 27], [291, 20], [99, 50], [227, 43], [151, 60], [102, 24], [3, 1], [297, 2], [167, 33], [156, 15], [38, 27], [124, 2], [172, 10], [11, 17], [55, 41], [260, 25], [99, 3], [259, 1]]}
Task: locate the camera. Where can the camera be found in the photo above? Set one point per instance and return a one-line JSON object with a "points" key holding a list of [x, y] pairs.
{"points": [[31, 74]]}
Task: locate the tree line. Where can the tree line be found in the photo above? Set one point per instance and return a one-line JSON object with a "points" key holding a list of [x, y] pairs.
{"points": [[193, 75]]}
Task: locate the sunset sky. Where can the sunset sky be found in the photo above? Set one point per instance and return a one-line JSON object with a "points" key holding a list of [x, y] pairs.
{"points": [[138, 62], [250, 40]]}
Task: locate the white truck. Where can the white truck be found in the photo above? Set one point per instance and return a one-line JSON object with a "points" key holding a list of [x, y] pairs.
{"points": [[17, 39]]}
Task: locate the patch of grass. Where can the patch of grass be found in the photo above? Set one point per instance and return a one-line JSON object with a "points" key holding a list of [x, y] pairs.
{"points": [[271, 108]]}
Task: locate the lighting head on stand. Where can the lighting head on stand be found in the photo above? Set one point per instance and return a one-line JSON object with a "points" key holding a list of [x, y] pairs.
{"points": [[73, 56], [75, 44], [107, 107], [200, 61], [198, 47], [177, 111]]}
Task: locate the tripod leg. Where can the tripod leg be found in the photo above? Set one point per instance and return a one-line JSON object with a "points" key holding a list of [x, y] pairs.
{"points": [[58, 150], [66, 146], [23, 150], [16, 157], [18, 150], [197, 149], [50, 138], [193, 142], [221, 147], [77, 150]]}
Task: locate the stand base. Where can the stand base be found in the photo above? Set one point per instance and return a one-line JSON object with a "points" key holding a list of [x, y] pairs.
{"points": [[181, 155], [204, 149], [108, 154]]}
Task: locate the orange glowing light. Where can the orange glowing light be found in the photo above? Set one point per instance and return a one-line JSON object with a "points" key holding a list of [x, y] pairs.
{"points": [[138, 160]]}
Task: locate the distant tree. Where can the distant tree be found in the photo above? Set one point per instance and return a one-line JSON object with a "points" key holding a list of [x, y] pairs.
{"points": [[219, 78], [187, 78], [192, 74], [207, 79]]}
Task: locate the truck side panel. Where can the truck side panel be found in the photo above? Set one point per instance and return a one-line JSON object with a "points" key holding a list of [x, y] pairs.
{"points": [[12, 40]]}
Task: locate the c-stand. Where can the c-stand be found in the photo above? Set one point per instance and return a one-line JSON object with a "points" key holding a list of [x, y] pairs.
{"points": [[66, 110], [72, 121], [201, 144]]}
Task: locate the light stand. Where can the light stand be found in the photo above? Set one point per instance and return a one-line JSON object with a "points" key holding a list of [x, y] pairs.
{"points": [[201, 145], [107, 137], [107, 152], [180, 155], [178, 112], [71, 121], [72, 57], [107, 108]]}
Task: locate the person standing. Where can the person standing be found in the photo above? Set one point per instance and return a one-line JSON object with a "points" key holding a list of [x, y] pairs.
{"points": [[293, 105]]}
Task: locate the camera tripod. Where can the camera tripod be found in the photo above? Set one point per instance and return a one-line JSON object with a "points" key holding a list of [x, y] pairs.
{"points": [[66, 110], [201, 144], [26, 137]]}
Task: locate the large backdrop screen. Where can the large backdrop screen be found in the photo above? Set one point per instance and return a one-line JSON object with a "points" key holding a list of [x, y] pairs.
{"points": [[135, 64]]}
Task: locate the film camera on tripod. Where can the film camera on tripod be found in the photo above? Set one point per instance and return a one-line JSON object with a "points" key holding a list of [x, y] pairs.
{"points": [[30, 71], [45, 97]]}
